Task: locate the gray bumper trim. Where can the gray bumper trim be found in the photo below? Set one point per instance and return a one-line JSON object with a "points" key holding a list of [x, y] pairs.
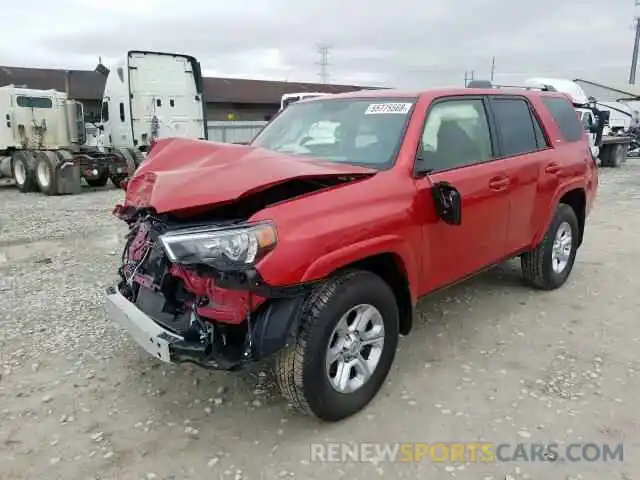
{"points": [[155, 339]]}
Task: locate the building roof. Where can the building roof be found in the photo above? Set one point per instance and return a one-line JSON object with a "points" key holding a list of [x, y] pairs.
{"points": [[625, 90], [88, 85]]}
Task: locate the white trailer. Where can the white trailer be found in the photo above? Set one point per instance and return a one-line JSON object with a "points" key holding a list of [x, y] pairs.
{"points": [[42, 138], [289, 98], [151, 95]]}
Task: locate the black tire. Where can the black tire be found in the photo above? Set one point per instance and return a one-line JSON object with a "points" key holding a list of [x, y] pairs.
{"points": [[137, 156], [100, 181], [48, 163], [130, 160], [537, 265], [300, 368], [613, 156], [24, 161], [117, 179]]}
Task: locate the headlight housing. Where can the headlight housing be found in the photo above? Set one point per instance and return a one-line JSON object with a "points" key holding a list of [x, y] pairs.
{"points": [[237, 246]]}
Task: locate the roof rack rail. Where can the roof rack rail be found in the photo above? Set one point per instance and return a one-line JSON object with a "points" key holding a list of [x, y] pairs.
{"points": [[488, 84]]}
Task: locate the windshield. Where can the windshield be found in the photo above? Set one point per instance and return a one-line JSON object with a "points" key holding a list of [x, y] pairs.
{"points": [[360, 131]]}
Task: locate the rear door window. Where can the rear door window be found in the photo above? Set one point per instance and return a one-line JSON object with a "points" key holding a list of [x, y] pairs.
{"points": [[565, 117], [516, 127]]}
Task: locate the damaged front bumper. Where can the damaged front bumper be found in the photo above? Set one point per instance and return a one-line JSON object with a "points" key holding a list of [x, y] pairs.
{"points": [[267, 332], [156, 340]]}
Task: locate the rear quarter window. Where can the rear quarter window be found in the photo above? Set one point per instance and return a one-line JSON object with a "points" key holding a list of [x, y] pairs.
{"points": [[565, 117]]}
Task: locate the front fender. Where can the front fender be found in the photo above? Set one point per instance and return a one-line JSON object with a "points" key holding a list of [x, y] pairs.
{"points": [[327, 264], [544, 226]]}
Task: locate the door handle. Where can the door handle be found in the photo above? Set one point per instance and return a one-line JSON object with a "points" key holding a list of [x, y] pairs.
{"points": [[499, 183], [552, 168]]}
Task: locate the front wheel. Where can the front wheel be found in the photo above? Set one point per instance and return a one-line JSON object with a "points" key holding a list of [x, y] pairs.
{"points": [[548, 266], [345, 347]]}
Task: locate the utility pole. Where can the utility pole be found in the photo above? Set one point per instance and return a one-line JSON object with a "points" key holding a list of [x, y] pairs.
{"points": [[493, 67], [466, 78], [323, 50], [634, 58], [636, 44]]}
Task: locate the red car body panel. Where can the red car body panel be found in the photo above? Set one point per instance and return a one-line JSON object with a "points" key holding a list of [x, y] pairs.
{"points": [[507, 205]]}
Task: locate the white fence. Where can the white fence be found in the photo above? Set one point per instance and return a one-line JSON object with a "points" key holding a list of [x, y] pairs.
{"points": [[234, 131]]}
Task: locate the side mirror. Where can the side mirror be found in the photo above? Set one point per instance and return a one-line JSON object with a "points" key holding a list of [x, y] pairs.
{"points": [[448, 202]]}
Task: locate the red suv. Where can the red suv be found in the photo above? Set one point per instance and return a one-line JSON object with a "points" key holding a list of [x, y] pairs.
{"points": [[314, 242]]}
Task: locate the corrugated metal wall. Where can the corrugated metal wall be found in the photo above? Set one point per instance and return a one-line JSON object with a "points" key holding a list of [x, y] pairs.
{"points": [[234, 131]]}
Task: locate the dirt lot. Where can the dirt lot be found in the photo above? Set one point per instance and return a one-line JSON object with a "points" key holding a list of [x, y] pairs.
{"points": [[489, 360]]}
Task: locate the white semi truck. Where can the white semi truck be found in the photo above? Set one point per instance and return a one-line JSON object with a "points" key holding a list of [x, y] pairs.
{"points": [[150, 95], [289, 98], [610, 145], [42, 143]]}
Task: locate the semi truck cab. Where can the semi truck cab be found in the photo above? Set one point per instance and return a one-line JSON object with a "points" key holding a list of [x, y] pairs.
{"points": [[150, 95]]}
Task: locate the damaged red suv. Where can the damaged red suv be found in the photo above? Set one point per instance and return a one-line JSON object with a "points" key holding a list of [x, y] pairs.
{"points": [[313, 243]]}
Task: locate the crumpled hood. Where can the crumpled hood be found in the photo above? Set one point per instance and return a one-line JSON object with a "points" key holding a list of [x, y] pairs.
{"points": [[180, 174]]}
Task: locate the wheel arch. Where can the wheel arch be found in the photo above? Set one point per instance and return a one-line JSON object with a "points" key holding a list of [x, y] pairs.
{"points": [[577, 200], [574, 196], [389, 257], [390, 267]]}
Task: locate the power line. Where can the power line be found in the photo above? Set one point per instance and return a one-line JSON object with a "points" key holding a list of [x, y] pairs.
{"points": [[323, 50]]}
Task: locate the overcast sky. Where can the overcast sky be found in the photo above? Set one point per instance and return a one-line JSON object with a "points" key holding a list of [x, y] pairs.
{"points": [[399, 43]]}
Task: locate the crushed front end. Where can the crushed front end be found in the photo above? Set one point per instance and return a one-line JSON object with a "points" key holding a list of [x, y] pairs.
{"points": [[190, 292]]}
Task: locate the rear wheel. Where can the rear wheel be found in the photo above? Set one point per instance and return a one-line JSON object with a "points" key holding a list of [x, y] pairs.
{"points": [[613, 155], [550, 264], [344, 349], [132, 158], [23, 165], [100, 181], [137, 156], [117, 179], [46, 172]]}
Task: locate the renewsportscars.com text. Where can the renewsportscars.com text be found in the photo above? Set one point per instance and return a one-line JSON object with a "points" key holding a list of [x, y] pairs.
{"points": [[466, 452]]}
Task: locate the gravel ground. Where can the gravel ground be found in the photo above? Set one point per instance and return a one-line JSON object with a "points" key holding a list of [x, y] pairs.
{"points": [[489, 360]]}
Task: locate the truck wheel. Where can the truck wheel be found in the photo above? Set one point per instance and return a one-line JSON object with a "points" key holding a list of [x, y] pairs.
{"points": [[130, 159], [550, 264], [117, 180], [100, 181], [24, 168], [344, 348], [617, 156], [137, 156], [46, 172]]}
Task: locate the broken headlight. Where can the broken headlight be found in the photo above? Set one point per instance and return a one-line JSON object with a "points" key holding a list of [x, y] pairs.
{"points": [[238, 245]]}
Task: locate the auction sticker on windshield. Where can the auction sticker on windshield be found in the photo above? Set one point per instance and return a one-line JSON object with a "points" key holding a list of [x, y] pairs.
{"points": [[378, 108]]}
